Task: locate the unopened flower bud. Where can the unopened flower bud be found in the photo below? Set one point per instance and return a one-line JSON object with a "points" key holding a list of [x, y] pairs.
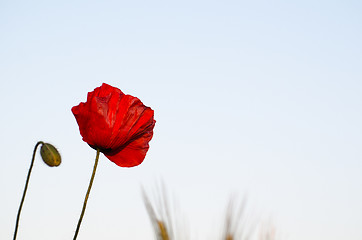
{"points": [[50, 155]]}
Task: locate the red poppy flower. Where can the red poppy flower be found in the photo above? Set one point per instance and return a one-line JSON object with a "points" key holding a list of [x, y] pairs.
{"points": [[119, 125]]}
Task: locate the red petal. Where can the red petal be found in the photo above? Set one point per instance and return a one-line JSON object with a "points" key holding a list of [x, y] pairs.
{"points": [[93, 116], [132, 119], [118, 124], [134, 153]]}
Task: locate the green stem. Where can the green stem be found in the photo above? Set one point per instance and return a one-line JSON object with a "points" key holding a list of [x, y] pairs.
{"points": [[86, 196], [25, 189]]}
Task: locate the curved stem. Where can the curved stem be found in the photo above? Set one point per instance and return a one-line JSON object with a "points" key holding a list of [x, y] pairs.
{"points": [[86, 196], [25, 189]]}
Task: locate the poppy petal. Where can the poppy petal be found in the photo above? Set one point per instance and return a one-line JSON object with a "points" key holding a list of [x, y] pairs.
{"points": [[119, 125], [134, 153]]}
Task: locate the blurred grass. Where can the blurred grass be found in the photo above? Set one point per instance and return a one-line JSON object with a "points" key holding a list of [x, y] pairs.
{"points": [[160, 215], [237, 225]]}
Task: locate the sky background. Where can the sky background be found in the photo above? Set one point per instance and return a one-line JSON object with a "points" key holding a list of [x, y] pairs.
{"points": [[260, 99]]}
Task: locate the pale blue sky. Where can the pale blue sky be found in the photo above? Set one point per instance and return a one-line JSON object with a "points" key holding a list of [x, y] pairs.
{"points": [[258, 98]]}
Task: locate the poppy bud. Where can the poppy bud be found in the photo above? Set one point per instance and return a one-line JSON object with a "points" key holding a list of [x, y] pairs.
{"points": [[50, 155]]}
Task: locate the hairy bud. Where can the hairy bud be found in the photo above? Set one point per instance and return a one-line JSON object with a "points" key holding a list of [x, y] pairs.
{"points": [[50, 155]]}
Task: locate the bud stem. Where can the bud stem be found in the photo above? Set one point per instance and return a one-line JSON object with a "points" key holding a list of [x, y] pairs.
{"points": [[25, 189], [86, 196]]}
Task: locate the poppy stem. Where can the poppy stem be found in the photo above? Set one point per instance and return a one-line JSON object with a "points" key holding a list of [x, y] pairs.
{"points": [[25, 188], [87, 195]]}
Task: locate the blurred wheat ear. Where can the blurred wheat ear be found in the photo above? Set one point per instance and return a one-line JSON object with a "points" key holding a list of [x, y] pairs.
{"points": [[236, 225], [161, 216], [268, 232]]}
